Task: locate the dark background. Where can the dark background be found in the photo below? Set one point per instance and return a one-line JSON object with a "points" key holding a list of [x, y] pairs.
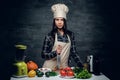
{"points": [[94, 22]]}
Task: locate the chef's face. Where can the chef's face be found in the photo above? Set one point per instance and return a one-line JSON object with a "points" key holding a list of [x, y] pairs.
{"points": [[59, 22]]}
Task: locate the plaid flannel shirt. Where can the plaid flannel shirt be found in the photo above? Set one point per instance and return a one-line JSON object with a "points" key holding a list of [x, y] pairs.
{"points": [[47, 52]]}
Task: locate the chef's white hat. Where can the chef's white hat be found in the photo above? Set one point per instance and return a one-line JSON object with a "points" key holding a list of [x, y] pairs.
{"points": [[59, 10]]}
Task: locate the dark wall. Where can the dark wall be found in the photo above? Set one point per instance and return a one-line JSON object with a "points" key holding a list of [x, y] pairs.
{"points": [[94, 22]]}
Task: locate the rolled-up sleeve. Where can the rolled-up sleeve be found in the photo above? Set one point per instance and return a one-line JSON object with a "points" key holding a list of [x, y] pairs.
{"points": [[74, 53], [47, 52]]}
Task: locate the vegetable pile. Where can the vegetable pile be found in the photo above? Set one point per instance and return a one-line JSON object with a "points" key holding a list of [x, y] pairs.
{"points": [[66, 72], [81, 73]]}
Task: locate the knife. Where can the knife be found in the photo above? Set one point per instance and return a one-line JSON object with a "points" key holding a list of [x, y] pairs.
{"points": [[58, 61]]}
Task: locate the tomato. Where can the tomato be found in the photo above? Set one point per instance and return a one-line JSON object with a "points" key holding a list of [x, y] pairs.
{"points": [[67, 69], [70, 73], [63, 73]]}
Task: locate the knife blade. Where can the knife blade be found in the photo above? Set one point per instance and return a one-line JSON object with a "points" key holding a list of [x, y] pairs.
{"points": [[58, 61]]}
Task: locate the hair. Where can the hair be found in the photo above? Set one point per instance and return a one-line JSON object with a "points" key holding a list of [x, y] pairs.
{"points": [[54, 28]]}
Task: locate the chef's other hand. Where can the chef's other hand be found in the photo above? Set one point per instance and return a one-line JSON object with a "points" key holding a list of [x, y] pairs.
{"points": [[59, 49]]}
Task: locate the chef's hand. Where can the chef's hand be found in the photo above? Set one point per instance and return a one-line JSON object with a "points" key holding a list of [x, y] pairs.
{"points": [[59, 49]]}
